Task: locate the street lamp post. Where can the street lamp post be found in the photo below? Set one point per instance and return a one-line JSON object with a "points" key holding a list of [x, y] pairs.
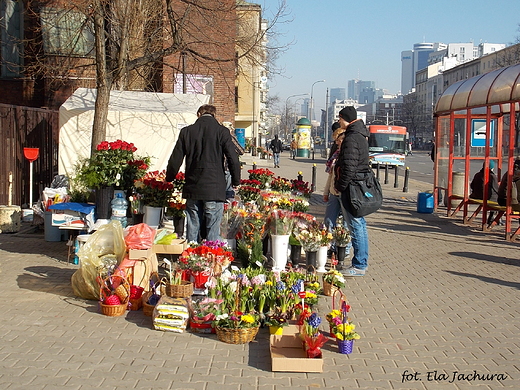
{"points": [[287, 111], [311, 109]]}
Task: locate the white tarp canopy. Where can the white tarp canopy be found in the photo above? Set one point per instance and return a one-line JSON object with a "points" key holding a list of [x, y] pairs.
{"points": [[149, 120]]}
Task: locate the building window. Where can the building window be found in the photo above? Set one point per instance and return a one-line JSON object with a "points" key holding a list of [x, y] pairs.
{"points": [[11, 35], [66, 32]]}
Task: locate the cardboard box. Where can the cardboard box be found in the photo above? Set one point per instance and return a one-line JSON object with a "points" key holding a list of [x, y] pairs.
{"points": [[287, 354], [70, 218], [139, 253], [176, 248], [139, 273]]}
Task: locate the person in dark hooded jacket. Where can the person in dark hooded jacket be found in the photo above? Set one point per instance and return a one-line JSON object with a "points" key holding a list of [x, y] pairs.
{"points": [[353, 160]]}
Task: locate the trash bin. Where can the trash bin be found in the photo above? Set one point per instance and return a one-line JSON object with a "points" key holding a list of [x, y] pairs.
{"points": [[425, 202], [52, 233]]}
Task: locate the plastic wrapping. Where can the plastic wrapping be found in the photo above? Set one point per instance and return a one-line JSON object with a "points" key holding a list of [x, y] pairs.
{"points": [[103, 250], [140, 236]]}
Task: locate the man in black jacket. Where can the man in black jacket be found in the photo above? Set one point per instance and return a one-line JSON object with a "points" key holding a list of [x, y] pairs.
{"points": [[204, 144], [276, 147], [353, 160]]}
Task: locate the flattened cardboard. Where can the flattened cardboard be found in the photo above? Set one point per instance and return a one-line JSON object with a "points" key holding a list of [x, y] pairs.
{"points": [[288, 355]]}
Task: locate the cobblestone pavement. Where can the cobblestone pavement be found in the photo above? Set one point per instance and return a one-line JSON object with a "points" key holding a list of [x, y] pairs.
{"points": [[439, 298]]}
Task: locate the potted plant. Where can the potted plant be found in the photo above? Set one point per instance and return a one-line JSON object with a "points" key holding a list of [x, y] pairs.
{"points": [[276, 322], [176, 287], [345, 331], [312, 338], [113, 165], [155, 192]]}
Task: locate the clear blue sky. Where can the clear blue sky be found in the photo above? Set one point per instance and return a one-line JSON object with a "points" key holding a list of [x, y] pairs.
{"points": [[341, 40]]}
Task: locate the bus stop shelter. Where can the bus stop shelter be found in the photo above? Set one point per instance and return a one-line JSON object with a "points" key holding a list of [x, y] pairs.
{"points": [[477, 123]]}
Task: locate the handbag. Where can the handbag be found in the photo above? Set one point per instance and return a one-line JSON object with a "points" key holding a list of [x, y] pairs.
{"points": [[363, 195]]}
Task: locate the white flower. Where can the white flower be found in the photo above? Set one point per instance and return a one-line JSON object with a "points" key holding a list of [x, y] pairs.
{"points": [[233, 286], [222, 316]]}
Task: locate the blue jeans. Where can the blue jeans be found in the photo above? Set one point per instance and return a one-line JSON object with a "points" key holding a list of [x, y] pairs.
{"points": [[276, 157], [332, 213], [359, 236], [200, 212]]}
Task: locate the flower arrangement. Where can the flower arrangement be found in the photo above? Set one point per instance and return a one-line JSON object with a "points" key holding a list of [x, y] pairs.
{"points": [[335, 278], [236, 320], [263, 175], [176, 209], [346, 332], [249, 244], [341, 234], [112, 164], [281, 184], [232, 218], [310, 237], [154, 188], [326, 237], [248, 193], [209, 255], [280, 222], [300, 187]]}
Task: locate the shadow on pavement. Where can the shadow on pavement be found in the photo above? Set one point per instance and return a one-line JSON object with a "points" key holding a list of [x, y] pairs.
{"points": [[52, 280], [487, 279]]}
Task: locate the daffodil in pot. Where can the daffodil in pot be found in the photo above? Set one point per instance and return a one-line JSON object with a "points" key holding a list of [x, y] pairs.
{"points": [[113, 165]]}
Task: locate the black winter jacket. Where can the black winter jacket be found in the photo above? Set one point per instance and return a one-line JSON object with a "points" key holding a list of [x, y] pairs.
{"points": [[204, 145], [353, 155]]}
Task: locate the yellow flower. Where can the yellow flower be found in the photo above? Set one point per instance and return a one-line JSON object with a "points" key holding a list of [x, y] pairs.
{"points": [[248, 318], [269, 283]]}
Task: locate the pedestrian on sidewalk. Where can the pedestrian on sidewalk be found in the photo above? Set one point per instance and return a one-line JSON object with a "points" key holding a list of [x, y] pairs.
{"points": [[294, 147], [276, 147], [332, 196], [353, 160]]}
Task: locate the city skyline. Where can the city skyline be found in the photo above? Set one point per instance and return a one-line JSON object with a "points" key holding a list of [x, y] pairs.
{"points": [[374, 51]]}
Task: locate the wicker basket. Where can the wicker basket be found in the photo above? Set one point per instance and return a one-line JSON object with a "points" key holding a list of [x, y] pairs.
{"points": [[114, 284], [113, 310], [329, 289], [183, 290], [147, 308], [236, 335], [135, 304]]}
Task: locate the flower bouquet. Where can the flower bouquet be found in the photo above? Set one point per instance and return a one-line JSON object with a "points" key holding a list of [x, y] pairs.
{"points": [[341, 234], [310, 237], [263, 175], [281, 184], [301, 188], [249, 244], [155, 191], [280, 222], [232, 218], [247, 192]]}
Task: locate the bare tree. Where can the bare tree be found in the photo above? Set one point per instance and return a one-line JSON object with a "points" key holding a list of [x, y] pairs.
{"points": [[134, 44]]}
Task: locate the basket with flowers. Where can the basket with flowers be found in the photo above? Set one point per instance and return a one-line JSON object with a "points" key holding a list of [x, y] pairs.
{"points": [[345, 331], [332, 280]]}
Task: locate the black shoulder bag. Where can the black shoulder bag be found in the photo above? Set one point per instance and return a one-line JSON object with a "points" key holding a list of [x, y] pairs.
{"points": [[363, 195]]}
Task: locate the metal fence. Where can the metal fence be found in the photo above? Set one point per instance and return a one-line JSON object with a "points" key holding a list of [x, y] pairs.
{"points": [[27, 127]]}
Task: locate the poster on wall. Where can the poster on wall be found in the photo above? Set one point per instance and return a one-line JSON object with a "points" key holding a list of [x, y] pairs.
{"points": [[195, 83], [478, 133]]}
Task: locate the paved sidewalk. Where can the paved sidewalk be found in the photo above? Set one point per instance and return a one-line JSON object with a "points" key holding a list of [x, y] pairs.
{"points": [[439, 298]]}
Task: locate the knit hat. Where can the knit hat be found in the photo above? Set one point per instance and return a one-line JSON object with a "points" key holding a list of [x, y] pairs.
{"points": [[348, 113], [335, 126]]}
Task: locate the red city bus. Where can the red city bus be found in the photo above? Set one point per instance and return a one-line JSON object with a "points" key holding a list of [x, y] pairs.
{"points": [[387, 144]]}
